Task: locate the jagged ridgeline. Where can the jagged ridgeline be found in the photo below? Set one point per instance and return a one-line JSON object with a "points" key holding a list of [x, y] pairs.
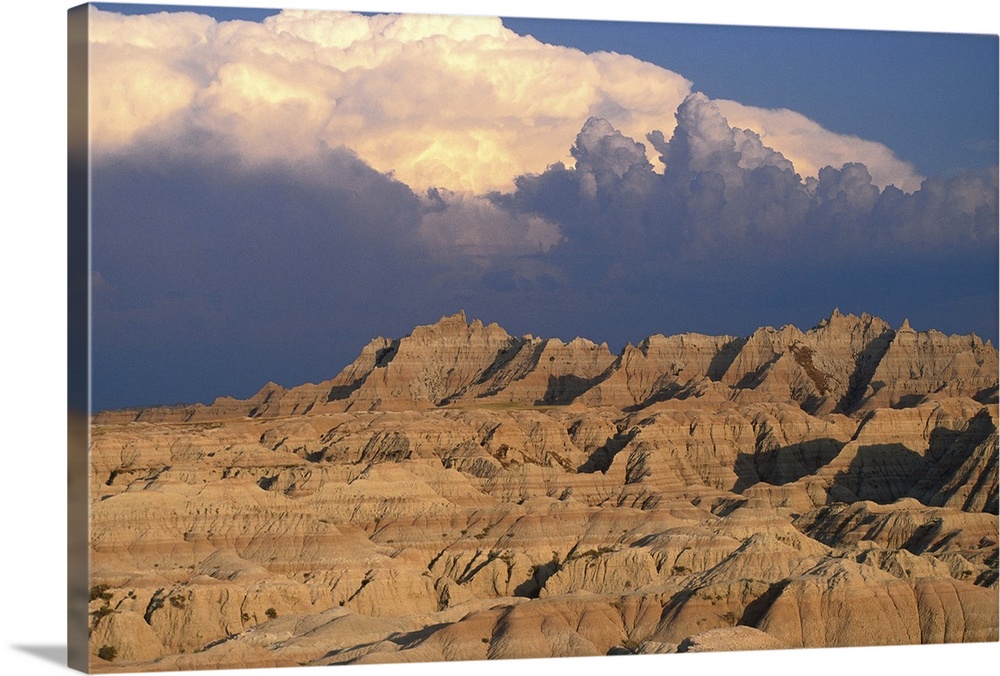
{"points": [[461, 493], [845, 364]]}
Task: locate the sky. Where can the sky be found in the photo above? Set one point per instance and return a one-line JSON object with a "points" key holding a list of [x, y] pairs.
{"points": [[271, 192]]}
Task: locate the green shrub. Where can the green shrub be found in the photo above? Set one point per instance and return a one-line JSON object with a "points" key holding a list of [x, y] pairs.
{"points": [[102, 612], [631, 645], [100, 591], [271, 613]]}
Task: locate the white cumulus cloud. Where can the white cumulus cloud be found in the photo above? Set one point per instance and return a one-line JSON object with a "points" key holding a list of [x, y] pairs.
{"points": [[810, 147], [459, 102], [456, 102]]}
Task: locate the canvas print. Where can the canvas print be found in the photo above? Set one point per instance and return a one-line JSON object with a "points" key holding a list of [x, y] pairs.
{"points": [[416, 338]]}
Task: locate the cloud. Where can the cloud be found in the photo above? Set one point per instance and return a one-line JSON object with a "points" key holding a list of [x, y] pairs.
{"points": [[704, 141], [810, 147], [600, 148], [268, 197], [946, 213], [725, 194], [467, 226], [440, 101], [141, 75], [456, 102]]}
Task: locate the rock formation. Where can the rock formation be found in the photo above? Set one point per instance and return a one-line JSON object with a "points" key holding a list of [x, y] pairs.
{"points": [[461, 493]]}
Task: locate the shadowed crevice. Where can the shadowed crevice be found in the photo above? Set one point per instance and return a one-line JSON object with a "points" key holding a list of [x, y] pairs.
{"points": [[724, 358], [600, 459], [864, 369], [563, 390]]}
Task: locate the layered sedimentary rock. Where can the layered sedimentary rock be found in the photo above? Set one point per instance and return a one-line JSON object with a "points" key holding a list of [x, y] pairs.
{"points": [[461, 493], [846, 364]]}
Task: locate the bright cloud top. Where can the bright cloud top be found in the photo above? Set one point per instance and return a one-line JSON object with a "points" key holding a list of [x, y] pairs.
{"points": [[810, 147], [456, 102]]}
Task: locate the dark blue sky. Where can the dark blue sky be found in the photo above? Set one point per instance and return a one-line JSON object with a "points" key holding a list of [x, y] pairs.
{"points": [[212, 278]]}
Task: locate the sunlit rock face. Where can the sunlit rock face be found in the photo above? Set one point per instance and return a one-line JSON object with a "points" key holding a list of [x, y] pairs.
{"points": [[461, 493]]}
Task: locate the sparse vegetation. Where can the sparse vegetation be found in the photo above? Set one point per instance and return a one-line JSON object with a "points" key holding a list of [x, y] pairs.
{"points": [[803, 357], [592, 553], [102, 612], [631, 645], [100, 591], [271, 613], [107, 652]]}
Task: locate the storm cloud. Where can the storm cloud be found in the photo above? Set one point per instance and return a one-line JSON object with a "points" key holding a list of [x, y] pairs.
{"points": [[724, 193], [269, 197]]}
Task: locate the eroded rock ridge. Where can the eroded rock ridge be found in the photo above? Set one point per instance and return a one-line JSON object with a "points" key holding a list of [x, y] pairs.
{"points": [[461, 493]]}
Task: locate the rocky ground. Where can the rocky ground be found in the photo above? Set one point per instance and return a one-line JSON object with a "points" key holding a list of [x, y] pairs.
{"points": [[461, 494]]}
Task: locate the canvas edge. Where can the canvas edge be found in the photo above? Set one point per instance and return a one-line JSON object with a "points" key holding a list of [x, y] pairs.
{"points": [[78, 335], [78, 348]]}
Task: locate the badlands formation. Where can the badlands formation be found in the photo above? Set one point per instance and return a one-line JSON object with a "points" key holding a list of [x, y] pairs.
{"points": [[464, 494]]}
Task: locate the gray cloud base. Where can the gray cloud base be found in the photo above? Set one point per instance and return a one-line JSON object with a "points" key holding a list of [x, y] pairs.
{"points": [[725, 194]]}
